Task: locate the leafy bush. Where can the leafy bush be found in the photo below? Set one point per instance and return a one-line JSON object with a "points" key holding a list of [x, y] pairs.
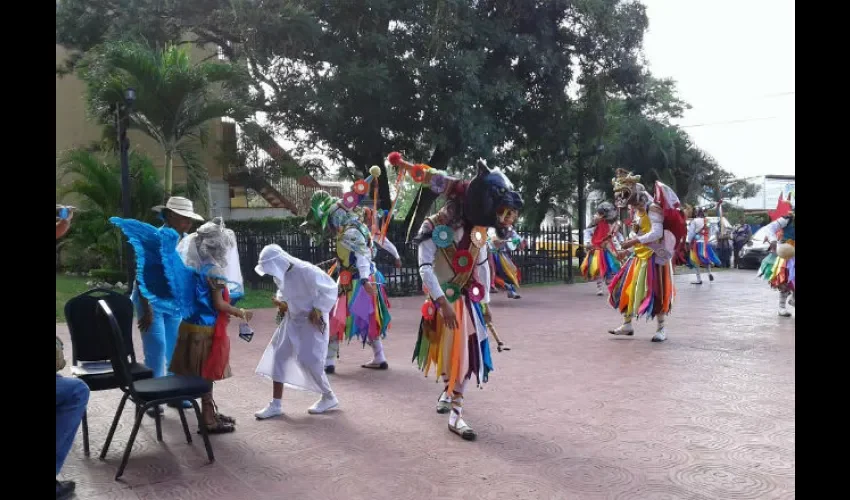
{"points": [[110, 276], [94, 177]]}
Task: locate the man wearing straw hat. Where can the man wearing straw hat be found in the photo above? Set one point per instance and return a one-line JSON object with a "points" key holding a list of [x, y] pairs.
{"points": [[158, 314]]}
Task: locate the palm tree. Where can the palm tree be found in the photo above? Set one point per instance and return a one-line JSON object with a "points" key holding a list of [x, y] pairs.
{"points": [[95, 179], [174, 98]]}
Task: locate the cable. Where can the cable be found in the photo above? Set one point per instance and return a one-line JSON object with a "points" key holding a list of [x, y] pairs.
{"points": [[730, 122]]}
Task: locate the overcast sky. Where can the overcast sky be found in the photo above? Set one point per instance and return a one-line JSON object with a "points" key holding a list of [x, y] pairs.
{"points": [[733, 61]]}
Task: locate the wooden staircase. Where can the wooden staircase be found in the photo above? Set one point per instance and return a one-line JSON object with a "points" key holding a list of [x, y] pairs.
{"points": [[284, 192]]}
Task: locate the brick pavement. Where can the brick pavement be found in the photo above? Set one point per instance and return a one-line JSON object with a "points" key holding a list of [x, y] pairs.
{"points": [[570, 413]]}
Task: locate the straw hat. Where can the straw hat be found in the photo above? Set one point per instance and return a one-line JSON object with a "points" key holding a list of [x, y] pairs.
{"points": [[180, 206]]}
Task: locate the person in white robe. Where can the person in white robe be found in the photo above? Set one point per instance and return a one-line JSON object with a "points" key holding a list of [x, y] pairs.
{"points": [[295, 357]]}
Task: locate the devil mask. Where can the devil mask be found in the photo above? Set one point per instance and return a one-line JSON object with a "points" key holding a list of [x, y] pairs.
{"points": [[488, 193]]}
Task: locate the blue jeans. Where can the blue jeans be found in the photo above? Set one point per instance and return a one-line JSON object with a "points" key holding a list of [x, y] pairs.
{"points": [[72, 396], [158, 342]]}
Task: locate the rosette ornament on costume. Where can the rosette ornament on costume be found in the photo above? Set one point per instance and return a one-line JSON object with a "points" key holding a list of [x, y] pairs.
{"points": [[345, 277], [452, 291], [419, 173], [462, 261], [350, 200], [439, 184], [475, 292], [429, 310], [479, 236], [360, 187], [443, 236]]}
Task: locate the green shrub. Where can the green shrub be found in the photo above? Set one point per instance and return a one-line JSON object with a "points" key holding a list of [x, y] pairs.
{"points": [[94, 177], [110, 276]]}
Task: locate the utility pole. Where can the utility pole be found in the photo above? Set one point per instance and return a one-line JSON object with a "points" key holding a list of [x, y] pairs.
{"points": [[122, 123]]}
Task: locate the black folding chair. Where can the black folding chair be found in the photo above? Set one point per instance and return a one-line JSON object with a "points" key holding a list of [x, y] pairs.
{"points": [[89, 343], [150, 392]]}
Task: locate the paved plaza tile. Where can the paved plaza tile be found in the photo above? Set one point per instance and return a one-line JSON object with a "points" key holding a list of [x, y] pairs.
{"points": [[570, 413]]}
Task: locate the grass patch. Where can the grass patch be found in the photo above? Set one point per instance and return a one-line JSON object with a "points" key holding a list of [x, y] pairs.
{"points": [[68, 287]]}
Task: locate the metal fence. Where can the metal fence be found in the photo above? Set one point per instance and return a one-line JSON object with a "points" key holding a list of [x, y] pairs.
{"points": [[548, 257]]}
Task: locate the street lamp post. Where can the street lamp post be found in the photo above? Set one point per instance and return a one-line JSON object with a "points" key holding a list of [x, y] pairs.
{"points": [[122, 123], [581, 201]]}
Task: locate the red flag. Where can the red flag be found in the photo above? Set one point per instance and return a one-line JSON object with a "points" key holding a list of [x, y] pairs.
{"points": [[783, 207]]}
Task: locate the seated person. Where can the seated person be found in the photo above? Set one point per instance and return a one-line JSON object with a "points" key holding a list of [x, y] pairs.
{"points": [[72, 394]]}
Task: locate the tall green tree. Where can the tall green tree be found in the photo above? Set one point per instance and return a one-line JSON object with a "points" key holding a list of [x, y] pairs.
{"points": [[175, 99]]}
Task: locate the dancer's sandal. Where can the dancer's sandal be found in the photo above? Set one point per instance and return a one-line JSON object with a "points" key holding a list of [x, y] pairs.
{"points": [[501, 346], [224, 418], [220, 417], [219, 427], [460, 427], [463, 430], [443, 406]]}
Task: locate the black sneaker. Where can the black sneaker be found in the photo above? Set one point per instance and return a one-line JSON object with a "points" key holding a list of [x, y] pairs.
{"points": [[65, 489], [330, 369]]}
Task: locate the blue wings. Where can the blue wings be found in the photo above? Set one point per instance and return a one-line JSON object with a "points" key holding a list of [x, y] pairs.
{"points": [[162, 277]]}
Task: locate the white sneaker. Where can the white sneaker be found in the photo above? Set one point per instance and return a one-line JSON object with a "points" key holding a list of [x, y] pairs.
{"points": [[791, 302], [659, 336], [599, 292], [624, 329], [271, 410], [784, 312], [327, 402]]}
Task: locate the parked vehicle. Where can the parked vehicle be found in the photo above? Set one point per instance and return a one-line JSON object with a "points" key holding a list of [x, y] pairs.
{"points": [[752, 254], [556, 247]]}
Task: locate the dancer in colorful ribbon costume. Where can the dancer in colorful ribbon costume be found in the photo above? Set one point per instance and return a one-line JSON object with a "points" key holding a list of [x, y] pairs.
{"points": [[778, 267], [700, 253], [501, 241], [296, 354], [602, 237], [453, 338], [363, 308], [644, 285]]}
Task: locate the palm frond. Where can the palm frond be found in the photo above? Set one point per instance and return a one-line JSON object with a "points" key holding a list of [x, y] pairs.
{"points": [[175, 98], [197, 175]]}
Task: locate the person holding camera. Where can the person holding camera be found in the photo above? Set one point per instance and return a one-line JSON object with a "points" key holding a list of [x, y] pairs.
{"points": [[72, 394]]}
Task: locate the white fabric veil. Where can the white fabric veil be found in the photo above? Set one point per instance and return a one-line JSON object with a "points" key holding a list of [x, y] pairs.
{"points": [[275, 261], [219, 249]]}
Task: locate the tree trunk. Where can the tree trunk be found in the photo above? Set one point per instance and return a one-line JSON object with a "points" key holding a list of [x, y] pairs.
{"points": [[169, 173]]}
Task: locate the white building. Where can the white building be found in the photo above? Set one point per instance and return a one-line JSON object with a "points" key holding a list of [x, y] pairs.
{"points": [[770, 187]]}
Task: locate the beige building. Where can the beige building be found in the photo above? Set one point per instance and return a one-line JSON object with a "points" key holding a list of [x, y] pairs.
{"points": [[230, 187]]}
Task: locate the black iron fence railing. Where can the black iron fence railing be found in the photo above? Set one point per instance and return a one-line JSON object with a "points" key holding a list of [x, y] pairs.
{"points": [[548, 256]]}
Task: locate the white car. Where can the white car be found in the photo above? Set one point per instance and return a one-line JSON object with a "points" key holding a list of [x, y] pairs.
{"points": [[753, 253]]}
